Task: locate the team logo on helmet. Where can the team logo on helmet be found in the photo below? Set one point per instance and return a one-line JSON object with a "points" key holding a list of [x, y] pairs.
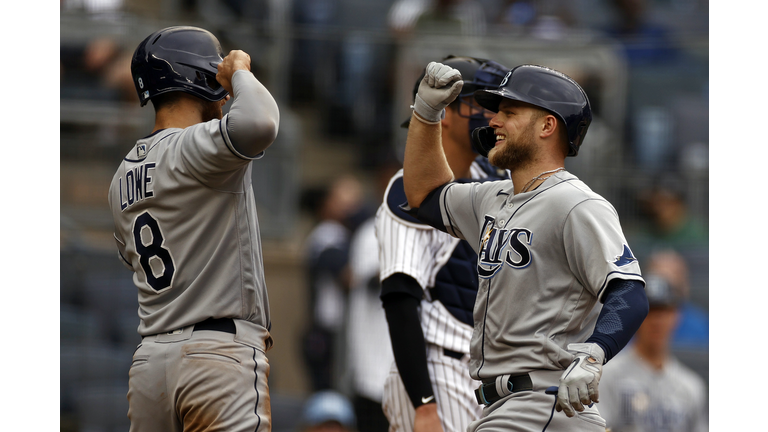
{"points": [[506, 78]]}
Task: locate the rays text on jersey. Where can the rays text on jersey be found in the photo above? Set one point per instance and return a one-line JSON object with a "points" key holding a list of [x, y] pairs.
{"points": [[136, 185], [516, 242]]}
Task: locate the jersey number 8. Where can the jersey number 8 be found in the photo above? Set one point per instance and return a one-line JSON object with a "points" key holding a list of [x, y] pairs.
{"points": [[151, 251]]}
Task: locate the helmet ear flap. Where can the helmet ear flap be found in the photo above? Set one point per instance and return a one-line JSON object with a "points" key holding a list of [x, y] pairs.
{"points": [[577, 141], [483, 140]]}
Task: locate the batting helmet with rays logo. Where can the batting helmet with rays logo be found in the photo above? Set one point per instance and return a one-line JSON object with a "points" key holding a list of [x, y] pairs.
{"points": [[180, 59], [545, 88]]}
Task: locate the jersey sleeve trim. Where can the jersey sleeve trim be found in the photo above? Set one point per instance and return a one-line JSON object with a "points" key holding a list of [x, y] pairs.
{"points": [[403, 283], [228, 141], [450, 228], [395, 197], [430, 210], [618, 275], [421, 279]]}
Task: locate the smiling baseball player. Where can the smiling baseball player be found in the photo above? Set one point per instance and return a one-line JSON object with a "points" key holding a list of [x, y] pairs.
{"points": [[185, 223], [560, 292], [429, 282]]}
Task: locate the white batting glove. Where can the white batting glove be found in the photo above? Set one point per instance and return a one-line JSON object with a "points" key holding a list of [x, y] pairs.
{"points": [[578, 384], [439, 87]]}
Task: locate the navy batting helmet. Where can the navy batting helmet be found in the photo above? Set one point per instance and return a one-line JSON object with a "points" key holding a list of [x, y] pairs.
{"points": [[477, 74], [545, 88], [178, 59]]}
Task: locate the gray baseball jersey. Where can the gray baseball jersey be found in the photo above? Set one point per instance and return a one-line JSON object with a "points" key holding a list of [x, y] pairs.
{"points": [[634, 397], [422, 252], [544, 259], [185, 223]]}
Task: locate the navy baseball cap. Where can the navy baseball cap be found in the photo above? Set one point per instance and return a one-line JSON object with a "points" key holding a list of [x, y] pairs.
{"points": [[328, 406], [661, 293]]}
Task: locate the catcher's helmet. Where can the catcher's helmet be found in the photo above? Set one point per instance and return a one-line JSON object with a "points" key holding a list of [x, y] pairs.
{"points": [[477, 74], [548, 89], [178, 59]]}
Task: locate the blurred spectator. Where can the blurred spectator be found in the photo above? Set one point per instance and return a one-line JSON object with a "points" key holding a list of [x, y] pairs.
{"points": [[314, 50], [327, 254], [99, 53], [368, 346], [542, 19], [645, 41], [601, 142], [669, 222], [692, 330], [327, 411], [99, 69], [646, 388], [461, 17], [97, 8], [117, 77], [357, 79]]}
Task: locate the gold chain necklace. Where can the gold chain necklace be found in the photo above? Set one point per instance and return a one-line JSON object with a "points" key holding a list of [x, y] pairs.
{"points": [[539, 177]]}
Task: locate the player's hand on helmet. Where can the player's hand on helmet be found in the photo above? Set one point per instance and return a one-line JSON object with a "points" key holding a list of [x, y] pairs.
{"points": [[439, 87], [578, 384], [234, 61]]}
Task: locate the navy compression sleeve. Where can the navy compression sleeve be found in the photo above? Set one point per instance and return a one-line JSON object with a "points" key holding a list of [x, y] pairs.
{"points": [[401, 296], [429, 212], [625, 306]]}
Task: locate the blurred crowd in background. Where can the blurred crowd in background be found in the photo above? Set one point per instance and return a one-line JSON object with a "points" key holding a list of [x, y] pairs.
{"points": [[342, 71]]}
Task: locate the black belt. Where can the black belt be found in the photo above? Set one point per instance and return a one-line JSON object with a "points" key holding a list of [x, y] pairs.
{"points": [[486, 394], [226, 325], [455, 354]]}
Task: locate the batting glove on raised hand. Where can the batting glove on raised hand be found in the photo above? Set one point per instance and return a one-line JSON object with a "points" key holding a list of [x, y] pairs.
{"points": [[439, 87], [578, 384]]}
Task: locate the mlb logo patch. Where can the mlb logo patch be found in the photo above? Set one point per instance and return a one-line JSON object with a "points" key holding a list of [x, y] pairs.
{"points": [[141, 150], [146, 94]]}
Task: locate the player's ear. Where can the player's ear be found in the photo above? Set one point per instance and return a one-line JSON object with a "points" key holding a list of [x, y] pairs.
{"points": [[548, 126], [448, 118]]}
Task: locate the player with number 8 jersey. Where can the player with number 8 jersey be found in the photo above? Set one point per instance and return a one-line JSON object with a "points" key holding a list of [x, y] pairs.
{"points": [[186, 224]]}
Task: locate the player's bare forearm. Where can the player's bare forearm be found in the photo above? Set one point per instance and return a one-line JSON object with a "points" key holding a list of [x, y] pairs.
{"points": [[425, 167], [427, 419]]}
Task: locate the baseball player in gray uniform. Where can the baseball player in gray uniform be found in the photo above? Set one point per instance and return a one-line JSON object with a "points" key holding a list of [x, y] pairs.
{"points": [[185, 223], [646, 388], [429, 281], [560, 292]]}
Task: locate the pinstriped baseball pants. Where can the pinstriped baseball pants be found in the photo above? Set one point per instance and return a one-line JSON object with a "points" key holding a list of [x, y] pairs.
{"points": [[454, 394]]}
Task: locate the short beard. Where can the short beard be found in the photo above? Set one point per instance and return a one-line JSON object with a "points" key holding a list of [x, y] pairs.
{"points": [[211, 111], [516, 155]]}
